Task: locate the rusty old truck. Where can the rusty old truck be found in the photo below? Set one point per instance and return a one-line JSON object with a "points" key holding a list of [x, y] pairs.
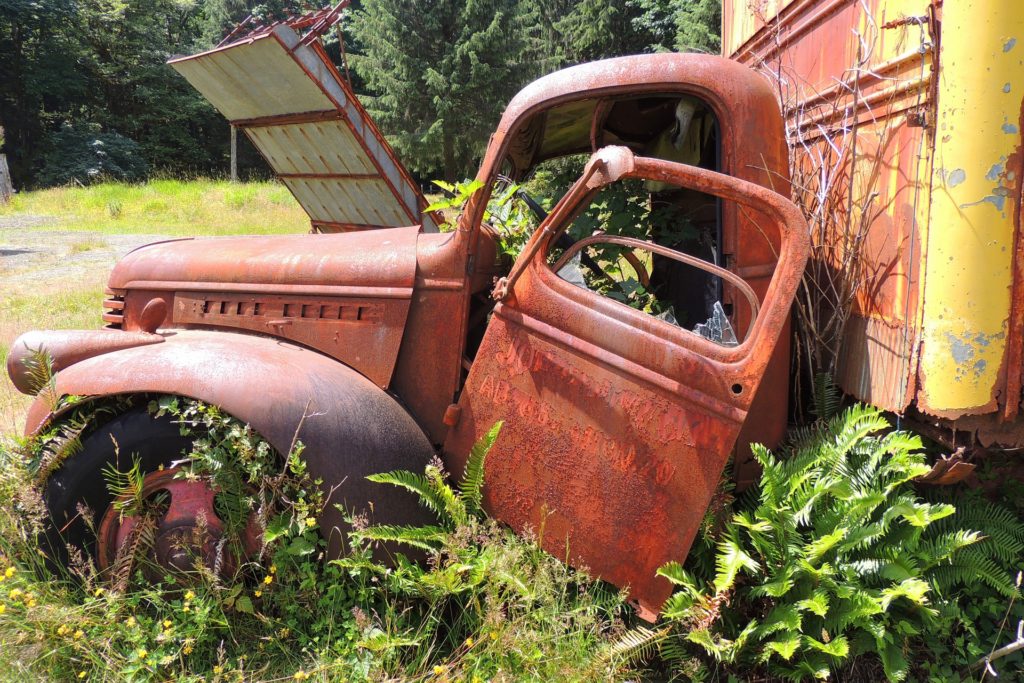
{"points": [[380, 341]]}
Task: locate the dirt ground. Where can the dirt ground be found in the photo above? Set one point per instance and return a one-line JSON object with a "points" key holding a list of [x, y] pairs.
{"points": [[37, 257], [44, 273]]}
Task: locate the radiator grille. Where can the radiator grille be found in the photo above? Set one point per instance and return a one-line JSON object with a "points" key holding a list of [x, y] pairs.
{"points": [[113, 310]]}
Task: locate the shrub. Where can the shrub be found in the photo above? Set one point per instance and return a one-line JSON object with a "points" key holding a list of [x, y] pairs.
{"points": [[835, 561], [82, 153]]}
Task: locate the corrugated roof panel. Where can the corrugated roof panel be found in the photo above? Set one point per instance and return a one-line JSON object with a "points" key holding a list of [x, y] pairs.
{"points": [[253, 79], [354, 202], [301, 115], [321, 147]]}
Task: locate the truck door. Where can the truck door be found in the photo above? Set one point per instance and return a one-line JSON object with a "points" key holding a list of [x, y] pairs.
{"points": [[617, 423]]}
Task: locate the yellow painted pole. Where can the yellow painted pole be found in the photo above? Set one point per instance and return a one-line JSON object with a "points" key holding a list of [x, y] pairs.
{"points": [[968, 263]]}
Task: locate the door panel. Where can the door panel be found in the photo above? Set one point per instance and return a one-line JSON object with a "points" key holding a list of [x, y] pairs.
{"points": [[617, 424]]}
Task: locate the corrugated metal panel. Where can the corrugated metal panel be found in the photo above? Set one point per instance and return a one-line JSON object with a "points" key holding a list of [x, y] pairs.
{"points": [[319, 147], [814, 49], [364, 202], [253, 79], [877, 348], [300, 114]]}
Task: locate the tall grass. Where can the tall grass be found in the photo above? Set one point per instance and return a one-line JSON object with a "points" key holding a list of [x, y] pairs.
{"points": [[486, 605], [174, 207], [27, 306]]}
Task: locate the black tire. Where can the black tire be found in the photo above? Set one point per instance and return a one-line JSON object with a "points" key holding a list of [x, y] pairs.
{"points": [[79, 480]]}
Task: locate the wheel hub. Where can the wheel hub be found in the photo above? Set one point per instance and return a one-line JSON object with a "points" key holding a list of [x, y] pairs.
{"points": [[186, 530]]}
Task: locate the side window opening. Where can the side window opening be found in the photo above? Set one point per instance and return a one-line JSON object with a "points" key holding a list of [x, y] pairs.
{"points": [[674, 127]]}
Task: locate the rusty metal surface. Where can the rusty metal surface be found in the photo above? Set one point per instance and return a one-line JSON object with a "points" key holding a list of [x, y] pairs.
{"points": [[345, 295], [186, 530], [350, 428], [65, 348], [617, 424], [746, 107], [287, 96], [810, 45]]}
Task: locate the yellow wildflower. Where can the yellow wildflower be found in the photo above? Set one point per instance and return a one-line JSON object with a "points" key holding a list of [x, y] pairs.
{"points": [[82, 674], [273, 569], [438, 670], [167, 659], [78, 634], [143, 652], [130, 621], [469, 642], [494, 635], [189, 595], [62, 630], [300, 675], [187, 649], [268, 579], [13, 595], [31, 603], [9, 572], [217, 669], [310, 521], [3, 608], [98, 592], [2, 577], [186, 608], [258, 594], [168, 623]]}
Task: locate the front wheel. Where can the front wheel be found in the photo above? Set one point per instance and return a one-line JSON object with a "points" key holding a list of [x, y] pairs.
{"points": [[166, 523]]}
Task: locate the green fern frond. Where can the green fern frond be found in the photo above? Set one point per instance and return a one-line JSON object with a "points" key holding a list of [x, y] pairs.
{"points": [[730, 560], [417, 483], [472, 485], [424, 537], [635, 645], [827, 397], [453, 510]]}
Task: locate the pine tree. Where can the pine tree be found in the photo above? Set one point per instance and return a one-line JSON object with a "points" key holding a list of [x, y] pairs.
{"points": [[440, 73]]}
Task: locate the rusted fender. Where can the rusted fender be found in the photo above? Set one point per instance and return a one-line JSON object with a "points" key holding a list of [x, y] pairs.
{"points": [[350, 427], [67, 347]]}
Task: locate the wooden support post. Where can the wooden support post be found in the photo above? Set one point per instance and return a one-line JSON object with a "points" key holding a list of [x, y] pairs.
{"points": [[234, 154], [6, 188]]}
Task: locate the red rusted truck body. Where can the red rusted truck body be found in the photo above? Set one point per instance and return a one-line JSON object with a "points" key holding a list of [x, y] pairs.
{"points": [[382, 347]]}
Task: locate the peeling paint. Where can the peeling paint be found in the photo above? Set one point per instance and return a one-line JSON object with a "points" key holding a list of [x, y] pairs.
{"points": [[996, 199], [1006, 88], [956, 177], [996, 170], [1009, 129], [967, 351], [1008, 45], [961, 350]]}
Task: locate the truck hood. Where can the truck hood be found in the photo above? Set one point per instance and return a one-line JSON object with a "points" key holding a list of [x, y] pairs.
{"points": [[374, 262], [346, 295]]}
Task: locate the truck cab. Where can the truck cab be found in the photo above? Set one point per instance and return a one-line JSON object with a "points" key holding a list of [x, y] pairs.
{"points": [[380, 346]]}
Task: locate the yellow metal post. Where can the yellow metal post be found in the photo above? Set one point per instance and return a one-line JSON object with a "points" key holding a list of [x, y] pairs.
{"points": [[968, 263]]}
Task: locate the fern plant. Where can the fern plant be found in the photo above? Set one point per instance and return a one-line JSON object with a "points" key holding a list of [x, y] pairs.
{"points": [[837, 557], [485, 602]]}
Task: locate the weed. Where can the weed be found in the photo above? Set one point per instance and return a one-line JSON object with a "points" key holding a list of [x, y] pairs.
{"points": [[486, 605]]}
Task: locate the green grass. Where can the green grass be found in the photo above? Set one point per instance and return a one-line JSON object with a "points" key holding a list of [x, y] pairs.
{"points": [[172, 207], [27, 307]]}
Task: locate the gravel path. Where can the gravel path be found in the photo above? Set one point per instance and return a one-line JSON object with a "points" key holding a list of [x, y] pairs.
{"points": [[40, 257]]}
